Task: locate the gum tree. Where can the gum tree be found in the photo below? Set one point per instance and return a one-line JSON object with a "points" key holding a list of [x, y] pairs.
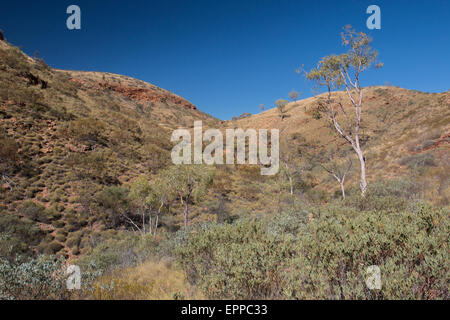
{"points": [[189, 183], [293, 159], [336, 72], [294, 95], [148, 200], [281, 104], [329, 161]]}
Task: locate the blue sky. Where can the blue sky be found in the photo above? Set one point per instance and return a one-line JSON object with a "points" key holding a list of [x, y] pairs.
{"points": [[228, 57]]}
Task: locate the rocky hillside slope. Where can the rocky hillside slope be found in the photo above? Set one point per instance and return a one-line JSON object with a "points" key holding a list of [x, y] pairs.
{"points": [[66, 136], [403, 132]]}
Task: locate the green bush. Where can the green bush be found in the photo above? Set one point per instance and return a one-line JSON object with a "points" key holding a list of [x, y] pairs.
{"points": [[33, 279], [59, 223], [409, 247], [11, 246], [53, 247], [75, 220], [32, 210], [389, 195], [17, 236], [324, 258], [88, 131], [74, 239], [37, 212], [418, 161], [41, 278], [23, 229], [14, 59], [239, 261], [61, 237], [119, 251]]}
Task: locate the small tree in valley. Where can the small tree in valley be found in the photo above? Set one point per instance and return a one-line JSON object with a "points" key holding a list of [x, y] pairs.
{"points": [[189, 182], [332, 161], [281, 104]]}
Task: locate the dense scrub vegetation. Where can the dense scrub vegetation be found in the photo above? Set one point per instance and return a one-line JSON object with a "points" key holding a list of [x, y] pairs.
{"points": [[314, 252], [325, 258]]}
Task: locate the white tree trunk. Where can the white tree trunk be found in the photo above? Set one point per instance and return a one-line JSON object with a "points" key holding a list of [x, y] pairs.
{"points": [[342, 189], [291, 185], [362, 162]]}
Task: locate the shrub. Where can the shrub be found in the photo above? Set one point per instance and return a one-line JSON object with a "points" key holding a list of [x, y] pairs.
{"points": [[33, 279], [73, 240], [32, 210], [14, 59], [418, 161], [239, 261], [75, 220], [59, 223], [88, 130], [409, 248], [91, 165], [23, 230], [324, 258], [53, 247], [61, 237], [114, 200], [389, 195], [41, 278], [11, 246], [37, 212], [123, 250]]}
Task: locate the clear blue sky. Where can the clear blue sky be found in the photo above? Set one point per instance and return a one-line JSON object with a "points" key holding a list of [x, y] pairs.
{"points": [[227, 57]]}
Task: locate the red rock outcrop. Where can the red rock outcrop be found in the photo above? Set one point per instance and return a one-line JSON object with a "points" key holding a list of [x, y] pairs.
{"points": [[139, 94], [143, 94]]}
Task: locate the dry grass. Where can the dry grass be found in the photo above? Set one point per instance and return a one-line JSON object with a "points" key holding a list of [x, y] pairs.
{"points": [[152, 280]]}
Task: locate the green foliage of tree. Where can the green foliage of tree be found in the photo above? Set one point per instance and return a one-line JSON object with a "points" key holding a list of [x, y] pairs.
{"points": [[114, 200], [149, 199], [190, 183]]}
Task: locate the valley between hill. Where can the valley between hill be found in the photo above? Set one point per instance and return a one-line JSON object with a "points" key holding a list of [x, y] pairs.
{"points": [[87, 176]]}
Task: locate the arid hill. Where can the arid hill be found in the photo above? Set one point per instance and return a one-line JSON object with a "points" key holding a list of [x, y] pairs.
{"points": [[67, 135], [399, 127]]}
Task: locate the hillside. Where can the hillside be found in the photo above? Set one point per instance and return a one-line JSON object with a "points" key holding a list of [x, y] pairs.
{"points": [[401, 131], [68, 135], [86, 175]]}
